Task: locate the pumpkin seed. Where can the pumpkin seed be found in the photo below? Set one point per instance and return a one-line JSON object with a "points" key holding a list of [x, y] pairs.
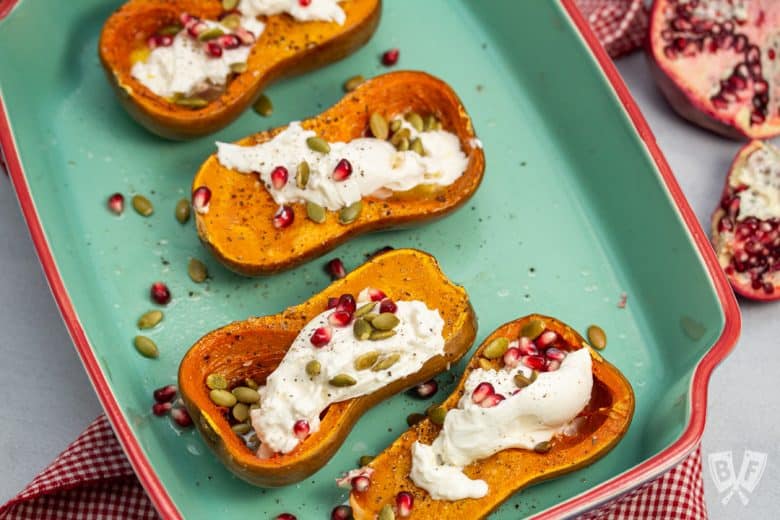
{"points": [[367, 360], [252, 442], [142, 205], [386, 362], [145, 346], [313, 368], [403, 145], [415, 120], [318, 144], [437, 414], [222, 398], [532, 329], [263, 106], [543, 447], [521, 381], [255, 406], [231, 21], [315, 212], [378, 126], [240, 412], [362, 329], [150, 319], [170, 30], [437, 125], [395, 125], [381, 334], [597, 337], [364, 309], [414, 418], [197, 270], [496, 348], [429, 122], [484, 364], [385, 321], [386, 513], [302, 175], [353, 83], [244, 394], [210, 34], [365, 460], [251, 383], [403, 133], [229, 5], [241, 429], [238, 67], [417, 147], [216, 382], [351, 213], [182, 211], [192, 102], [369, 316], [341, 380]]}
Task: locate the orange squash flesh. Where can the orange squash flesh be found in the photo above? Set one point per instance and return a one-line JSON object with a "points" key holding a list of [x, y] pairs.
{"points": [[608, 416], [255, 347], [238, 228], [286, 47]]}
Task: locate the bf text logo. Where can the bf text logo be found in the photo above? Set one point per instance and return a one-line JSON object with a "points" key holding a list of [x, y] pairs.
{"points": [[731, 482]]}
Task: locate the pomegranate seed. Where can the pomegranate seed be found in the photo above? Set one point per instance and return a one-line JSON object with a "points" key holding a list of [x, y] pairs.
{"points": [[186, 18], [376, 295], [284, 217], [547, 338], [160, 409], [492, 400], [332, 302], [181, 417], [159, 40], [342, 171], [246, 37], [534, 362], [341, 513], [340, 319], [160, 293], [335, 269], [360, 483], [554, 353], [512, 357], [304, 3], [195, 27], [301, 429], [213, 49], [286, 516], [427, 389], [165, 394], [321, 336], [404, 501], [527, 347], [553, 365], [200, 199], [116, 203], [279, 177], [229, 41], [388, 305], [347, 304], [481, 392], [390, 57]]}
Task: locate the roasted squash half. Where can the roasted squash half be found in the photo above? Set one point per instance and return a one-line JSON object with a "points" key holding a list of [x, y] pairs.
{"points": [[238, 227], [285, 48], [607, 418], [255, 347]]}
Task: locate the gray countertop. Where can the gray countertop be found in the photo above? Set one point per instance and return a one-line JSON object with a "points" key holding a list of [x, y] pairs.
{"points": [[50, 400]]}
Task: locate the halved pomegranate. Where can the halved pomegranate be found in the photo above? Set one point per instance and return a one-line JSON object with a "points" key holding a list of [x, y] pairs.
{"points": [[718, 62], [746, 224]]}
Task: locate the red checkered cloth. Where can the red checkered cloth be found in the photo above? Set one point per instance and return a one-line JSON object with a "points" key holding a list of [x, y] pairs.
{"points": [[620, 25]]}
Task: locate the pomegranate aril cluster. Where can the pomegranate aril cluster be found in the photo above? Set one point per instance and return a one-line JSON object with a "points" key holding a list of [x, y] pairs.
{"points": [[164, 404], [197, 29]]}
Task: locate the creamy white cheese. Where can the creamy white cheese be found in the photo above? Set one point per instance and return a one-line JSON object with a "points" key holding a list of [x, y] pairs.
{"points": [[290, 394], [376, 165], [539, 411], [761, 173], [316, 10]]}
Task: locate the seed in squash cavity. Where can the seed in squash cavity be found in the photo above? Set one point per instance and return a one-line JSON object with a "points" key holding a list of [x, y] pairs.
{"points": [[385, 321], [284, 217], [318, 144], [353, 83], [342, 171], [244, 394], [165, 394], [492, 400], [404, 501], [427, 389], [321, 336], [532, 329], [241, 428], [200, 199], [142, 205], [223, 398], [388, 305], [181, 417], [160, 409], [378, 125], [361, 329], [512, 357], [335, 269], [496, 348], [190, 102], [216, 382], [340, 319], [145, 346], [365, 460], [546, 338], [415, 120], [116, 203], [482, 392], [197, 270], [341, 512], [315, 212], [170, 30], [182, 211], [367, 360], [263, 106], [160, 293], [437, 414], [229, 5], [251, 383], [301, 429], [149, 319], [386, 513], [543, 447], [279, 177], [240, 412], [360, 483], [302, 175], [313, 368], [390, 57], [597, 337], [417, 146]]}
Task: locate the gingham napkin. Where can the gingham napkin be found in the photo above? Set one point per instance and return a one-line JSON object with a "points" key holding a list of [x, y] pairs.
{"points": [[93, 479]]}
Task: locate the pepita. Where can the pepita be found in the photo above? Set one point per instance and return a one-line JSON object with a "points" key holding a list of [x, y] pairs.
{"points": [[318, 144], [246, 395], [216, 382], [386, 513], [437, 125], [315, 212], [365, 460], [251, 383], [263, 106], [238, 67], [429, 122], [210, 34], [417, 146], [414, 418], [521, 381], [145, 346], [313, 368], [351, 213], [597, 337], [353, 83], [385, 321], [197, 270], [496, 348], [241, 429], [170, 30], [484, 364], [142, 205], [231, 21], [367, 360], [341, 380], [362, 329], [386, 362], [369, 316], [532, 329], [222, 398], [240, 412], [182, 211], [381, 334], [415, 120], [403, 145], [150, 319], [252, 442], [395, 125], [543, 447], [402, 133], [378, 126], [192, 102], [302, 175], [437, 414], [229, 5], [364, 309]]}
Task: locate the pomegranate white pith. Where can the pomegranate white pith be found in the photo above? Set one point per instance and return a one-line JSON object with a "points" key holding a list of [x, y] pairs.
{"points": [[746, 224], [717, 62]]}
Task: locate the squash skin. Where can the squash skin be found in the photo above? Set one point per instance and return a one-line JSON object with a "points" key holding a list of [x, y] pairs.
{"points": [[402, 274], [238, 227], [285, 48], [510, 470]]}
